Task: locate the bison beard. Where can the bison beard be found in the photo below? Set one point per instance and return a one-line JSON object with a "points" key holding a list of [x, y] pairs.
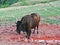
{"points": [[27, 23]]}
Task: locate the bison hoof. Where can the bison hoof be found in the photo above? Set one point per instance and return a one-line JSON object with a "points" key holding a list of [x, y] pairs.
{"points": [[33, 32], [27, 37], [37, 32]]}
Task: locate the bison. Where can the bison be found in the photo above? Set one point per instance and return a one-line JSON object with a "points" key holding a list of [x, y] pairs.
{"points": [[27, 23]]}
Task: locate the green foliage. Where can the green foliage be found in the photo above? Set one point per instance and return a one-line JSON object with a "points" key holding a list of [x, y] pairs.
{"points": [[6, 3], [33, 2]]}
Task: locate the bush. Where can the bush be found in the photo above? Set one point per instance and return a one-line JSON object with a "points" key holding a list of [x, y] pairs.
{"points": [[6, 3]]}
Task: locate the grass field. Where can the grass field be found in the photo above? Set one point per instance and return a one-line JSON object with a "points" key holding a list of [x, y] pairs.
{"points": [[44, 9], [31, 2]]}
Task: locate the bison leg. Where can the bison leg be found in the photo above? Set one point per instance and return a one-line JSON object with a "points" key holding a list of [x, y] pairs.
{"points": [[18, 31], [37, 29], [28, 33], [34, 31]]}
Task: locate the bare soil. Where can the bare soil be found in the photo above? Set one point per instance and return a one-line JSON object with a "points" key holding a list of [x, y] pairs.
{"points": [[49, 34]]}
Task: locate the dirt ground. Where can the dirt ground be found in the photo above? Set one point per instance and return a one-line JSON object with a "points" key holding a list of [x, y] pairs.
{"points": [[49, 34]]}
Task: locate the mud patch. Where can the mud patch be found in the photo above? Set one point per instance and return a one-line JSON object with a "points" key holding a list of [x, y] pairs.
{"points": [[48, 35]]}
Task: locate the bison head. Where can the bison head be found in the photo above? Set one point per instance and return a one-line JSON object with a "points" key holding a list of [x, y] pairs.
{"points": [[19, 27]]}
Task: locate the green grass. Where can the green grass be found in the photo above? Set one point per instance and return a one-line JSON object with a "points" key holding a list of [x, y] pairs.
{"points": [[51, 21], [44, 10], [31, 2]]}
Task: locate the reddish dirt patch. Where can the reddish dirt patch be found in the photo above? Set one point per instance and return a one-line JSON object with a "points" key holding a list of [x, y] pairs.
{"points": [[8, 35]]}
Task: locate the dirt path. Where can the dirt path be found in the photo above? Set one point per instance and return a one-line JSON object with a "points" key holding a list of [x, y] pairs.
{"points": [[48, 34]]}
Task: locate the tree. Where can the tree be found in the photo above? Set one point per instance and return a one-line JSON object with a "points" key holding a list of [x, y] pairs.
{"points": [[2, 1]]}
